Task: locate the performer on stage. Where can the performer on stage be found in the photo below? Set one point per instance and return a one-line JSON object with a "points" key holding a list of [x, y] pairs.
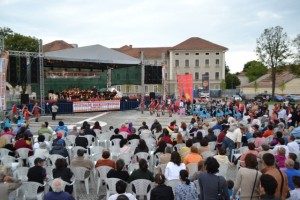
{"points": [[36, 111], [181, 108], [152, 106], [26, 114], [170, 109], [157, 108], [54, 109], [142, 106], [163, 107]]}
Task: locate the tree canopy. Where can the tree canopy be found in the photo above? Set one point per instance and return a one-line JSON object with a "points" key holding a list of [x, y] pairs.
{"points": [[254, 70], [232, 81], [273, 49], [296, 43]]}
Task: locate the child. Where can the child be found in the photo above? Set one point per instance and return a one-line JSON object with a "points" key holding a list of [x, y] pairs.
{"points": [[230, 185], [280, 157]]}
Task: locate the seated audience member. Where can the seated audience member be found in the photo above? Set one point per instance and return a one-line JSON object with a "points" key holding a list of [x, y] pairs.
{"points": [[62, 171], [44, 130], [58, 137], [59, 148], [193, 156], [268, 186], [281, 145], [276, 138], [280, 157], [80, 161], [174, 166], [42, 151], [269, 131], [211, 137], [295, 194], [265, 148], [124, 147], [166, 156], [142, 172], [294, 158], [201, 169], [185, 150], [61, 127], [105, 161], [58, 192], [165, 136], [41, 139], [97, 126], [185, 189], [251, 149], [81, 141], [116, 135], [23, 142], [7, 185], [119, 172], [121, 191], [290, 172], [7, 131], [74, 131], [259, 140], [292, 145], [160, 147], [204, 146], [141, 147], [89, 131], [161, 191], [4, 144], [37, 173], [221, 157]]}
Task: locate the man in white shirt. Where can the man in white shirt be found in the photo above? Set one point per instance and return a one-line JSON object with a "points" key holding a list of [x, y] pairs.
{"points": [[121, 191], [279, 145], [292, 145], [233, 138], [282, 113]]}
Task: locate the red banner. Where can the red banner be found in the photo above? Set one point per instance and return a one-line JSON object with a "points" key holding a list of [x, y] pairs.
{"points": [[185, 86]]}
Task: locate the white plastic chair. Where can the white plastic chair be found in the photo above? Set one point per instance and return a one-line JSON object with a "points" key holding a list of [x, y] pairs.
{"points": [[151, 143], [173, 184], [75, 149], [142, 187], [96, 150], [71, 139], [143, 155], [115, 142], [23, 154], [177, 147], [54, 157], [79, 175], [127, 157], [212, 145], [104, 138], [102, 175], [124, 134], [217, 132], [4, 152], [7, 161], [132, 166], [21, 173], [47, 136], [192, 168], [162, 168], [9, 138], [207, 154], [31, 160], [111, 186], [30, 190], [90, 139]]}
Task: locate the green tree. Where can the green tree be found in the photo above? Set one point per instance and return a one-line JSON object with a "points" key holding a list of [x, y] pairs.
{"points": [[296, 44], [273, 50], [232, 81], [18, 42], [5, 31], [282, 86], [255, 86], [254, 69]]}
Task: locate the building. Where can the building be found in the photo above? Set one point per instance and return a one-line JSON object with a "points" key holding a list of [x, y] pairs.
{"points": [[194, 56]]}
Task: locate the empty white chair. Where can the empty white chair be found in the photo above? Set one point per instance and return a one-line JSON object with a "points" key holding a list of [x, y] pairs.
{"points": [[4, 152], [90, 139], [21, 173], [115, 142], [23, 154], [102, 175], [143, 155], [141, 187], [207, 154], [192, 168], [71, 139], [212, 145], [96, 150], [30, 190], [103, 138], [31, 160], [173, 184], [79, 175], [127, 157], [132, 167], [54, 157]]}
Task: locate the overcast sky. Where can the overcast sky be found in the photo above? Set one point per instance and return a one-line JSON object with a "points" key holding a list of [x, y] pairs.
{"points": [[235, 24]]}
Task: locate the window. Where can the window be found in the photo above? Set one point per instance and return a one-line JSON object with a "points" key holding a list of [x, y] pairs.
{"points": [[176, 63], [196, 54], [136, 88], [217, 61], [146, 88], [176, 54], [118, 87], [197, 63], [187, 63], [206, 53], [155, 89], [187, 54], [196, 75], [217, 76], [206, 61]]}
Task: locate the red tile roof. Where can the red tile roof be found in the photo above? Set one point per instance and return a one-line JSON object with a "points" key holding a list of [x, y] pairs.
{"points": [[56, 45], [149, 52], [195, 43]]}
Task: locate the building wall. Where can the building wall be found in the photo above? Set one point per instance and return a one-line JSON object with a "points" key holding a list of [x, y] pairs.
{"points": [[184, 61]]}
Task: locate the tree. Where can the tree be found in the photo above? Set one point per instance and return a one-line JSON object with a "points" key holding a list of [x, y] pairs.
{"points": [[232, 81], [255, 69], [273, 49], [296, 43], [282, 86], [255, 86], [5, 31], [18, 42]]}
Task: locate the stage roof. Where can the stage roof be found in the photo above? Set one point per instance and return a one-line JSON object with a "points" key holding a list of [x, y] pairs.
{"points": [[93, 53]]}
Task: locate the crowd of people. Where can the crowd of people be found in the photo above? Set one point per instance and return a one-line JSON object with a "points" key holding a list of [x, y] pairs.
{"points": [[267, 164]]}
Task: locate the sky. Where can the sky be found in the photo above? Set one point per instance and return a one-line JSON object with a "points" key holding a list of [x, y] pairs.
{"points": [[235, 24]]}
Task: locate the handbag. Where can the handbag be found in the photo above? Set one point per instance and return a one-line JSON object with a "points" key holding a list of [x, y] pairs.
{"points": [[254, 185]]}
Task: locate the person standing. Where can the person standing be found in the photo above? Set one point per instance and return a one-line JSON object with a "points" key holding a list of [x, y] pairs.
{"points": [[54, 109], [36, 111]]}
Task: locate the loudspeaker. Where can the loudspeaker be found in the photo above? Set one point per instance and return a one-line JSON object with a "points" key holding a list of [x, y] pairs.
{"points": [[24, 98], [153, 74], [152, 95]]}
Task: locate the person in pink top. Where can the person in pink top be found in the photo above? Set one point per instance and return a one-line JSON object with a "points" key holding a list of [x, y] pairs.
{"points": [[123, 128], [251, 149], [7, 131], [259, 140]]}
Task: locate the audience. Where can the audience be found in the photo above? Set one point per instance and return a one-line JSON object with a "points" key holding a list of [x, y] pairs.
{"points": [[161, 191], [105, 161], [186, 189]]}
